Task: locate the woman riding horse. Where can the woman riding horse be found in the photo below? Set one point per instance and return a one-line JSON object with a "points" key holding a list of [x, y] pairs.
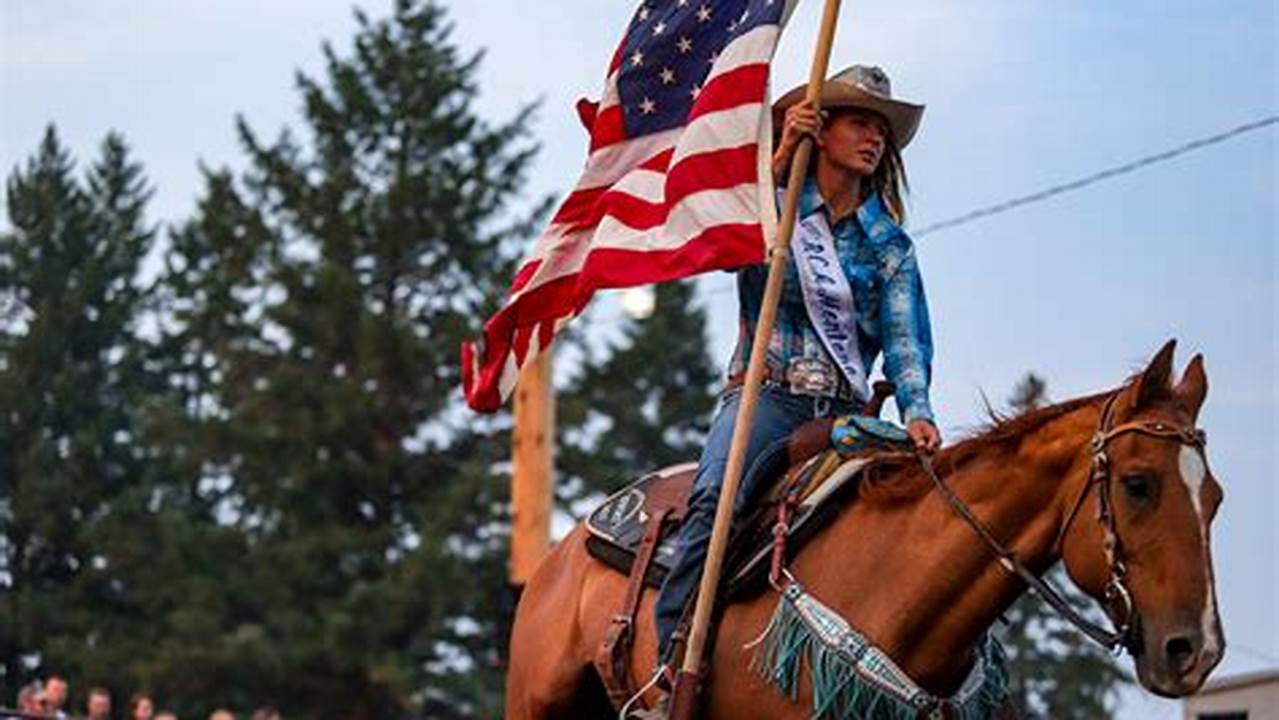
{"points": [[853, 268]]}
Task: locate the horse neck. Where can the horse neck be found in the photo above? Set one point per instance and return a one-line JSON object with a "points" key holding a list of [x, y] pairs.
{"points": [[917, 579]]}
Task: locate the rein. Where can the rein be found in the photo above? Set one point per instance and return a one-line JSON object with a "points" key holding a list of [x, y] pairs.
{"points": [[1116, 592]]}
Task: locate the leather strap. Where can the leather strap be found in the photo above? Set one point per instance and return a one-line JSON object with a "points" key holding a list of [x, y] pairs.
{"points": [[613, 659], [781, 529], [1009, 561], [1116, 592], [688, 686]]}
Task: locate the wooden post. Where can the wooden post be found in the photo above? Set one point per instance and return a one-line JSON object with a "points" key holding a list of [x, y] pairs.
{"points": [[532, 476], [686, 687]]}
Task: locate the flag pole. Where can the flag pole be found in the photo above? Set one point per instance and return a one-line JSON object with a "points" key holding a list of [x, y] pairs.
{"points": [[686, 685]]}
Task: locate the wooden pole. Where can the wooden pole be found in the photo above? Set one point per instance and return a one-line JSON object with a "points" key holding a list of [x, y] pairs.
{"points": [[754, 377], [532, 478]]}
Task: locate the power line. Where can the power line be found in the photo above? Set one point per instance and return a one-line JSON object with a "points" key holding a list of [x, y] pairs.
{"points": [[1050, 192], [1096, 177]]}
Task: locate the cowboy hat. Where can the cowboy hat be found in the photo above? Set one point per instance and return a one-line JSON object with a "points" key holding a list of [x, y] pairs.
{"points": [[861, 86]]}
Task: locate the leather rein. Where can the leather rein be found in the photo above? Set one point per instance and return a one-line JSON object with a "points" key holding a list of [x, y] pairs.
{"points": [[1127, 631]]}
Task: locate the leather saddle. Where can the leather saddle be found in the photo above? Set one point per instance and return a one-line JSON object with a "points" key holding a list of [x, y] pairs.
{"points": [[815, 472], [619, 528]]}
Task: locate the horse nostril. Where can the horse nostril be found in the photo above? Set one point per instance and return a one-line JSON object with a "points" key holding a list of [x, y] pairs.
{"points": [[1181, 651]]}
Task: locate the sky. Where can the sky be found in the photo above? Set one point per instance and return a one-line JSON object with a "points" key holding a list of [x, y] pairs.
{"points": [[1081, 288]]}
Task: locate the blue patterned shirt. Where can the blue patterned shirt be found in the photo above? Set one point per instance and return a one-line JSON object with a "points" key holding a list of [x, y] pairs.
{"points": [[892, 313]]}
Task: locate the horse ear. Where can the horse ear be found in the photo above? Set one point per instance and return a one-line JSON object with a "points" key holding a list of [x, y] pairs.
{"points": [[1156, 379], [1193, 387]]}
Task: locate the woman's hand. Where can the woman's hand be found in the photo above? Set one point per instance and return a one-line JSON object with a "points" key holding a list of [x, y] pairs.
{"points": [[801, 119], [925, 436]]}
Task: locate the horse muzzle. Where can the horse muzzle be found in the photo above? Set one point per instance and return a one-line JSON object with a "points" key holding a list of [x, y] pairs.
{"points": [[1175, 662]]}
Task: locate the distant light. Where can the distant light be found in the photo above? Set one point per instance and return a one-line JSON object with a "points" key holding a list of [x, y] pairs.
{"points": [[638, 302]]}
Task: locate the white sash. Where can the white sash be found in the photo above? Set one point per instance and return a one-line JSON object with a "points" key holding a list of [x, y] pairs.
{"points": [[828, 298]]}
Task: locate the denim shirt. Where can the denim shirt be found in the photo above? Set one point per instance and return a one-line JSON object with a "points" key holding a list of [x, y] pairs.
{"points": [[892, 313]]}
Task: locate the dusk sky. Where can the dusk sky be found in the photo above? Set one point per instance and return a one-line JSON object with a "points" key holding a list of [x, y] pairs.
{"points": [[1081, 288]]}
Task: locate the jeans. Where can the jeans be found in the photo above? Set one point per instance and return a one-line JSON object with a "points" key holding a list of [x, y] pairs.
{"points": [[777, 414]]}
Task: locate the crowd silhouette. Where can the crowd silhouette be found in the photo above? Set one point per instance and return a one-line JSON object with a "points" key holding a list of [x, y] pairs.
{"points": [[49, 700]]}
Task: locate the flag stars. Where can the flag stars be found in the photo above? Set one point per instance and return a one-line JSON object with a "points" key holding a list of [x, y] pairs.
{"points": [[637, 58], [668, 76], [685, 45], [643, 13], [695, 91], [659, 28], [648, 107], [703, 14]]}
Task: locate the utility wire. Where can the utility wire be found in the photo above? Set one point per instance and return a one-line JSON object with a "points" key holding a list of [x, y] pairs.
{"points": [[1096, 177], [1050, 192]]}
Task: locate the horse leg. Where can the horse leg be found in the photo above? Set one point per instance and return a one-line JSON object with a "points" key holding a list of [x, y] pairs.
{"points": [[550, 673]]}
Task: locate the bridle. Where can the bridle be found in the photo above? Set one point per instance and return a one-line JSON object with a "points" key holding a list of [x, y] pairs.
{"points": [[1127, 631]]}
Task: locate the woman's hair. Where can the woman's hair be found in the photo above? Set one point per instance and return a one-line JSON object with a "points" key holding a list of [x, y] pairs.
{"points": [[889, 180]]}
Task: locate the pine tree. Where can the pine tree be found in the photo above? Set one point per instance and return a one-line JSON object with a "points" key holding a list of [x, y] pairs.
{"points": [[1055, 672], [314, 308], [71, 381], [645, 404]]}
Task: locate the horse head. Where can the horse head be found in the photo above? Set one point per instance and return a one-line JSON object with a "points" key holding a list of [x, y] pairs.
{"points": [[1147, 556]]}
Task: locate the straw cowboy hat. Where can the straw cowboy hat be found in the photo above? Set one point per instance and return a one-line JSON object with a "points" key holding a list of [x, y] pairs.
{"points": [[861, 86]]}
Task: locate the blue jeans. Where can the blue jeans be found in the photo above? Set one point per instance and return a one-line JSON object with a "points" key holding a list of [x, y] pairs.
{"points": [[777, 414]]}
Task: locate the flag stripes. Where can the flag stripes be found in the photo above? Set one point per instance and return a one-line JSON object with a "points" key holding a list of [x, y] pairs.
{"points": [[654, 203]]}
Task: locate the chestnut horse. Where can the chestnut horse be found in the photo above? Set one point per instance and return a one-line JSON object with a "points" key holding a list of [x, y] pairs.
{"points": [[903, 568]]}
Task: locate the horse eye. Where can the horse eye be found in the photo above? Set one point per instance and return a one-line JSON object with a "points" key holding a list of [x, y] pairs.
{"points": [[1139, 486]]}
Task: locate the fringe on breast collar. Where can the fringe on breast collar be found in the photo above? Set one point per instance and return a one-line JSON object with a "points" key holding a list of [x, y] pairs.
{"points": [[854, 680]]}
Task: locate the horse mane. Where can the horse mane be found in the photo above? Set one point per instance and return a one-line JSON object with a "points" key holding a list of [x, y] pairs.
{"points": [[898, 477]]}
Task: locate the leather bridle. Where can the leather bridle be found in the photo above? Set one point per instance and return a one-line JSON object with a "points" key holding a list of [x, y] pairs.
{"points": [[1127, 631]]}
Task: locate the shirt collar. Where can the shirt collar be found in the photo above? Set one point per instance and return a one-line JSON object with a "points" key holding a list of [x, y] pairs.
{"points": [[872, 215]]}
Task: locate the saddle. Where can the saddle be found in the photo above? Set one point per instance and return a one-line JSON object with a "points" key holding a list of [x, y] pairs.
{"points": [[813, 474]]}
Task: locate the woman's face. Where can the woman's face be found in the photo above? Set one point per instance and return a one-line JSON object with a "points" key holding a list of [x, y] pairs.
{"points": [[854, 140], [144, 710]]}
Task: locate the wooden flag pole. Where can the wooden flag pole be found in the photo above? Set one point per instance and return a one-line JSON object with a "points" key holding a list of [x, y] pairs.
{"points": [[533, 468], [685, 693]]}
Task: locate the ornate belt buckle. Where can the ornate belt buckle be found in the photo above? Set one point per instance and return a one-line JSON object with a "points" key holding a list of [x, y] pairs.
{"points": [[812, 376]]}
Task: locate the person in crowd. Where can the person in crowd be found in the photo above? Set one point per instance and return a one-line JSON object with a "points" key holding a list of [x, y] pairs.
{"points": [[141, 707], [98, 706], [55, 696], [166, 715], [31, 698], [222, 715], [266, 713]]}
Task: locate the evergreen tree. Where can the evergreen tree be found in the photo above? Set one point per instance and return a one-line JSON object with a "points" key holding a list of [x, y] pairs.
{"points": [[313, 312], [71, 381], [646, 404], [1056, 673]]}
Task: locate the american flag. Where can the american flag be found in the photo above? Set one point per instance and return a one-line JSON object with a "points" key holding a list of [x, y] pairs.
{"points": [[677, 181]]}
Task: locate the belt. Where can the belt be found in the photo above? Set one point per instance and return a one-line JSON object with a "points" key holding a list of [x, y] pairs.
{"points": [[775, 378]]}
